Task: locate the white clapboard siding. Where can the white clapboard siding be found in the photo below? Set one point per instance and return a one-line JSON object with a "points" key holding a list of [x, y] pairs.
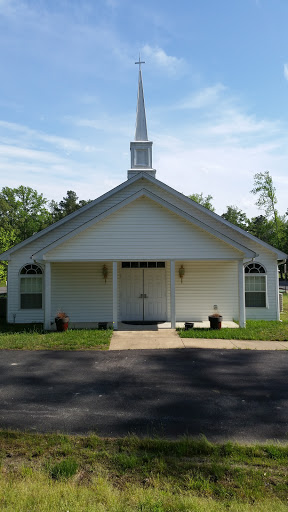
{"points": [[80, 290], [203, 285], [143, 230]]}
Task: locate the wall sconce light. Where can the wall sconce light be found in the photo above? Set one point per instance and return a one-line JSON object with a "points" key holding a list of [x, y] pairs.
{"points": [[181, 272], [105, 272]]}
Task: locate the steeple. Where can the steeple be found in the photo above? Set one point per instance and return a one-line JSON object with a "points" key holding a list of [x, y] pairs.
{"points": [[141, 147], [141, 125]]}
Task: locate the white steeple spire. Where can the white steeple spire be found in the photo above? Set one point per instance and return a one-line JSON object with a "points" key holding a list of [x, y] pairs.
{"points": [[141, 147], [141, 125]]}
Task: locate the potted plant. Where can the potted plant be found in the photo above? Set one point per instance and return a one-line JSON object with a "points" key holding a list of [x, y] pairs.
{"points": [[215, 319], [61, 321]]}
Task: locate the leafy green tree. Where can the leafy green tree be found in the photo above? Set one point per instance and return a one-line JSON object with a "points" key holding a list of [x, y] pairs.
{"points": [[204, 201], [262, 228], [267, 200], [236, 216], [7, 240], [23, 211], [67, 205]]}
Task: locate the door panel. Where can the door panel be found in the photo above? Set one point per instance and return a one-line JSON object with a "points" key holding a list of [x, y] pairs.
{"points": [[143, 294], [155, 289], [131, 290]]}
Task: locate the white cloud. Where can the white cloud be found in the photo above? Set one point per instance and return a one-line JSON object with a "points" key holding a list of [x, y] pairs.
{"points": [[204, 98], [235, 122], [286, 71], [30, 136], [159, 57], [107, 124]]}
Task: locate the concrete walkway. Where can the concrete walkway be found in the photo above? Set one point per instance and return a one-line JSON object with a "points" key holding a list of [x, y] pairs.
{"points": [[168, 338]]}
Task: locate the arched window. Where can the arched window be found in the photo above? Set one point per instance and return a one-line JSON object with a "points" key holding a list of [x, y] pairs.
{"points": [[255, 286], [31, 287]]}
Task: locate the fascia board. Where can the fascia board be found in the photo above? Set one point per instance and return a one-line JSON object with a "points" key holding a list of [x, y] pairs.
{"points": [[143, 193], [5, 256]]}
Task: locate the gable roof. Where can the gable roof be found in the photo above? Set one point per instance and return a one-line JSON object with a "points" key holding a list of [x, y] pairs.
{"points": [[144, 176], [248, 253]]}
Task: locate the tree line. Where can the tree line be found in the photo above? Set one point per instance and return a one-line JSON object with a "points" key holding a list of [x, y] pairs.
{"points": [[23, 212]]}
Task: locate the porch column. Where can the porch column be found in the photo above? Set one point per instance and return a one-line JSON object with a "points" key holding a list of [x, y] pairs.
{"points": [[241, 295], [172, 294], [115, 295], [47, 296]]}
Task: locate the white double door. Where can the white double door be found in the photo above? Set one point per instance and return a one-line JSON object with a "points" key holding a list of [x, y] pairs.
{"points": [[143, 294]]}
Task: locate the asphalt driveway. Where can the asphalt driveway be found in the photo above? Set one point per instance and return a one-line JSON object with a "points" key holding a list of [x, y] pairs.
{"points": [[239, 395]]}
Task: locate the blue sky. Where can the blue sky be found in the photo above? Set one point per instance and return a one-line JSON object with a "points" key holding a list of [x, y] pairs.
{"points": [[215, 85]]}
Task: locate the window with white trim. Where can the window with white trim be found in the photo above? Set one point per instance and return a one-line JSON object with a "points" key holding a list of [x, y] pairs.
{"points": [[255, 286], [31, 287]]}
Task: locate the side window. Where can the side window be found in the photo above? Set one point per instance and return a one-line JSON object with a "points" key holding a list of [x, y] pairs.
{"points": [[31, 287], [255, 286]]}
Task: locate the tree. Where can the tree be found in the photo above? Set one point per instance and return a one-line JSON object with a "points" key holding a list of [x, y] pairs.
{"points": [[69, 204], [23, 211], [7, 240], [204, 201], [263, 185], [262, 228], [236, 216]]}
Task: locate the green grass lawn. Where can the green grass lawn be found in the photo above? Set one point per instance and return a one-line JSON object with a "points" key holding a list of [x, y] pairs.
{"points": [[255, 329], [32, 337], [56, 472]]}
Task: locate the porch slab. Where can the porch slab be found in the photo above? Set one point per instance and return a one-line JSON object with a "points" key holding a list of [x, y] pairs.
{"points": [[206, 325], [167, 325]]}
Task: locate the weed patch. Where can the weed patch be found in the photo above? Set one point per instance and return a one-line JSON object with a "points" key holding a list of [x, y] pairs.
{"points": [[63, 469], [52, 471]]}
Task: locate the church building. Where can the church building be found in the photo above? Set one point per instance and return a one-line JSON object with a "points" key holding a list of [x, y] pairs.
{"points": [[142, 252]]}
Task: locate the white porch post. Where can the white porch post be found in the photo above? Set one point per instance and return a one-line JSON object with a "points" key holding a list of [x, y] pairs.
{"points": [[47, 296], [241, 297], [172, 294], [277, 293], [115, 295]]}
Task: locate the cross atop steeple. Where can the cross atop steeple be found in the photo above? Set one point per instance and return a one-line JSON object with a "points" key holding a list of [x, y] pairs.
{"points": [[140, 62]]}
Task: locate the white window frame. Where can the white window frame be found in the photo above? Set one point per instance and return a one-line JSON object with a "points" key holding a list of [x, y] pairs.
{"points": [[28, 275], [257, 275]]}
